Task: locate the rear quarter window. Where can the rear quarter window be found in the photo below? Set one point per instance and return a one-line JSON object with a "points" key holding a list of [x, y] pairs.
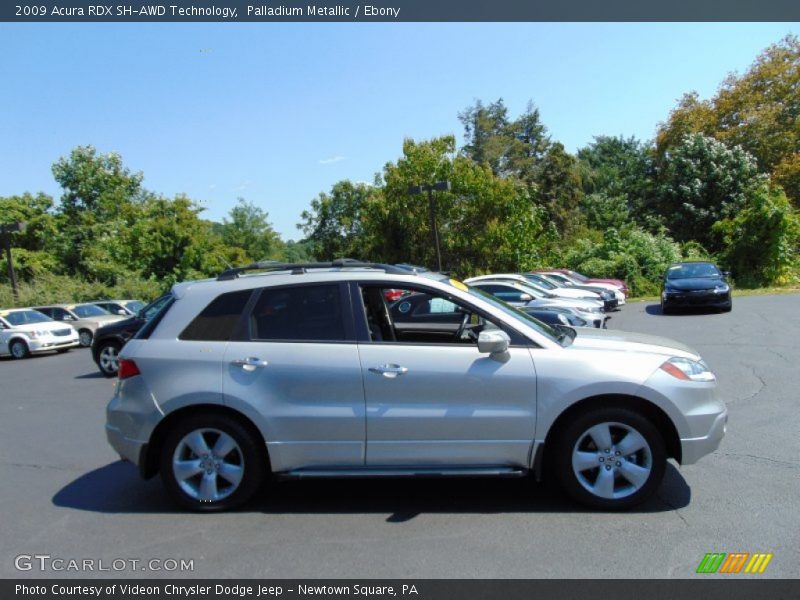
{"points": [[217, 320]]}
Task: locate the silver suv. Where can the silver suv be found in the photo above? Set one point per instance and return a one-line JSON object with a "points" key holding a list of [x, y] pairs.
{"points": [[310, 371]]}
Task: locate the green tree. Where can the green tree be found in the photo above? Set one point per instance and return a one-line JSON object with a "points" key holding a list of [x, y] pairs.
{"points": [[510, 148], [100, 199], [702, 182], [333, 226], [249, 229], [759, 111], [760, 241], [486, 223], [618, 167]]}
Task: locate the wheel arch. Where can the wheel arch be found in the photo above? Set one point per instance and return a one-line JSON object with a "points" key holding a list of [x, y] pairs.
{"points": [[148, 463], [654, 413]]}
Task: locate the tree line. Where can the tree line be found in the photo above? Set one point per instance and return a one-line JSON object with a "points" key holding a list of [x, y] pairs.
{"points": [[720, 180]]}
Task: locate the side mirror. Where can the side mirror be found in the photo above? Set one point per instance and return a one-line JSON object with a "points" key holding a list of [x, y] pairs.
{"points": [[525, 298], [66, 318], [121, 311], [493, 342], [726, 273]]}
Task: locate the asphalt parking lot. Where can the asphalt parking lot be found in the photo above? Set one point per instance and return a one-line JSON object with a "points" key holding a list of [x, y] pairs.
{"points": [[66, 494]]}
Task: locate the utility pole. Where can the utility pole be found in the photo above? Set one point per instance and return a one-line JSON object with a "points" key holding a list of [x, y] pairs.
{"points": [[441, 186], [5, 233]]}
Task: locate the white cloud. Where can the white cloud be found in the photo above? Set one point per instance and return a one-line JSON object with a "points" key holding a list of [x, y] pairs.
{"points": [[331, 160]]}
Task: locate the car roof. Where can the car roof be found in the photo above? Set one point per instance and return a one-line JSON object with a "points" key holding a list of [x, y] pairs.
{"points": [[309, 275]]}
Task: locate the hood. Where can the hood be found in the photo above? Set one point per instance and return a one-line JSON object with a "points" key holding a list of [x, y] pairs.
{"points": [[624, 341], [566, 302], [617, 282], [44, 326], [695, 283], [576, 293], [121, 325], [105, 318]]}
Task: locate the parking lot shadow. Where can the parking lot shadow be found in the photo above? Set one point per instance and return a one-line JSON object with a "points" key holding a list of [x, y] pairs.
{"points": [[116, 488]]}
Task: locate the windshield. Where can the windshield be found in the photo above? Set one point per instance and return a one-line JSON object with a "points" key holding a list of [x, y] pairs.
{"points": [[24, 317], [134, 305], [541, 282], [579, 277], [535, 290], [520, 315], [84, 311], [693, 271]]}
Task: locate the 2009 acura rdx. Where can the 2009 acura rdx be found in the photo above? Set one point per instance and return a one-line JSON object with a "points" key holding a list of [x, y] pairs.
{"points": [[303, 372]]}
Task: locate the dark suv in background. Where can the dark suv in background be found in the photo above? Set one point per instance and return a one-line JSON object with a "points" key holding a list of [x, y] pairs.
{"points": [[109, 340]]}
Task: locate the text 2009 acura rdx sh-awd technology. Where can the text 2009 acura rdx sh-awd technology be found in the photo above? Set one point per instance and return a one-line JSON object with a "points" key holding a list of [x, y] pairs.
{"points": [[302, 371]]}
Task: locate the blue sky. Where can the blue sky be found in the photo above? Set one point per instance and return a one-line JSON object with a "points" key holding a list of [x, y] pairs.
{"points": [[277, 113]]}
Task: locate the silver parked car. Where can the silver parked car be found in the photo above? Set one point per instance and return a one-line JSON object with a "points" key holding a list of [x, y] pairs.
{"points": [[85, 318], [306, 371]]}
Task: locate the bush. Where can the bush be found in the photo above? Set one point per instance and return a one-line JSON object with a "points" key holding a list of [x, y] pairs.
{"points": [[632, 254], [52, 289]]}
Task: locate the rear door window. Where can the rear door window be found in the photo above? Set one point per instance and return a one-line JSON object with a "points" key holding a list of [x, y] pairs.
{"points": [[302, 313]]}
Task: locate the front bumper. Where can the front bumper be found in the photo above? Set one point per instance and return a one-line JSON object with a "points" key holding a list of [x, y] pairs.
{"points": [[693, 449], [696, 299], [48, 344]]}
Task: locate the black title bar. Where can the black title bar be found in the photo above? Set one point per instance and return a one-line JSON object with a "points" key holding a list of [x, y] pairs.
{"points": [[399, 10]]}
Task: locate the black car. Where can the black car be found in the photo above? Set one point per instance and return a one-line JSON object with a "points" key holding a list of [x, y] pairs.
{"points": [[109, 340], [695, 285]]}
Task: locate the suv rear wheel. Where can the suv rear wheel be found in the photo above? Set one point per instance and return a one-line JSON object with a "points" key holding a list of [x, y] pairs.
{"points": [[212, 462], [611, 458]]}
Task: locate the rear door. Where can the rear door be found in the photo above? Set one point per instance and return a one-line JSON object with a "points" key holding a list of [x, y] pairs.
{"points": [[296, 366]]}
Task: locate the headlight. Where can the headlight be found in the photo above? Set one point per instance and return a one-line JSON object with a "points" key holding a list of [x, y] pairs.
{"points": [[38, 333], [688, 370], [722, 288]]}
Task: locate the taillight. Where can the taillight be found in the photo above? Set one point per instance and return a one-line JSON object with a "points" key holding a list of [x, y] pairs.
{"points": [[127, 368]]}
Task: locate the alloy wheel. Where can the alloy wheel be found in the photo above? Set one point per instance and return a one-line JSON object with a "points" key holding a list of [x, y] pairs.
{"points": [[109, 359], [612, 460], [208, 465]]}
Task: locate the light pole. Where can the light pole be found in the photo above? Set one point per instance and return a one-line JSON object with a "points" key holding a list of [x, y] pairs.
{"points": [[439, 186], [5, 233]]}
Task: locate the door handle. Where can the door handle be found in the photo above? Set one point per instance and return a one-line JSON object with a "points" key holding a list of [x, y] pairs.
{"points": [[390, 371], [251, 363]]}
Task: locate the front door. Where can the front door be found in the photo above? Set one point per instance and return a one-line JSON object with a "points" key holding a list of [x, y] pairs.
{"points": [[432, 399]]}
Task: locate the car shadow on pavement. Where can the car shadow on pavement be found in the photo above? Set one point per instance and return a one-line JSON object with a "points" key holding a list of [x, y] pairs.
{"points": [[655, 309], [117, 488], [92, 375]]}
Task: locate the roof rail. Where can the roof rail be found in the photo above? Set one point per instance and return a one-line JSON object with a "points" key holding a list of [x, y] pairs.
{"points": [[300, 268]]}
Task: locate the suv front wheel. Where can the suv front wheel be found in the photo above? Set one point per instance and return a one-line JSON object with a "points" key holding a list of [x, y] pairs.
{"points": [[212, 462], [610, 458]]}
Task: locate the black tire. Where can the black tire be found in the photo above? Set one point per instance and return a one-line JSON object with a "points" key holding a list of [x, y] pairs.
{"points": [[251, 454], [106, 367], [85, 337], [19, 349], [664, 309], [576, 431]]}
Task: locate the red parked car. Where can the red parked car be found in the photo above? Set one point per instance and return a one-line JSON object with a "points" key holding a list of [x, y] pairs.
{"points": [[583, 279]]}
